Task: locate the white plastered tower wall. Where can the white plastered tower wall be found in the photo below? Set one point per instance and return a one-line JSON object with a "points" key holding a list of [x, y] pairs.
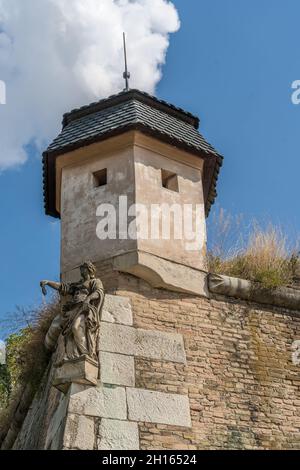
{"points": [[134, 164]]}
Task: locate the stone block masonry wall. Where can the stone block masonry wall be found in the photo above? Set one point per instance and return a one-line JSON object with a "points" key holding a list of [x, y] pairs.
{"points": [[179, 372], [239, 376], [107, 416]]}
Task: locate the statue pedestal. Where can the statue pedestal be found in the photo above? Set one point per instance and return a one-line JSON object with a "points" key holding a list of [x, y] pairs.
{"points": [[83, 370]]}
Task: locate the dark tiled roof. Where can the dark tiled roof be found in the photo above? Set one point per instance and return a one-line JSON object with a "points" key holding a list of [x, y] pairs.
{"points": [[126, 96], [123, 112]]}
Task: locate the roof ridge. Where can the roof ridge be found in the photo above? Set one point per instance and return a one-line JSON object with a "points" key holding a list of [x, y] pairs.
{"points": [[122, 97]]}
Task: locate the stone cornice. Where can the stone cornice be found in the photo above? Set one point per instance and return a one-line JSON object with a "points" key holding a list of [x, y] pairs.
{"points": [[284, 297]]}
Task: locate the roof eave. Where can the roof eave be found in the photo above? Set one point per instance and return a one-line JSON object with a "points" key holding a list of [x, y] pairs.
{"points": [[212, 165]]}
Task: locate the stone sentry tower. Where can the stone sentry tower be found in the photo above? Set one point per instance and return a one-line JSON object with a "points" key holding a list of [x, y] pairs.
{"points": [[128, 149], [137, 147]]}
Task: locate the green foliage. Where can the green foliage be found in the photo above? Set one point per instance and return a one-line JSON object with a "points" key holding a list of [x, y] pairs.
{"points": [[15, 359], [26, 360], [5, 386]]}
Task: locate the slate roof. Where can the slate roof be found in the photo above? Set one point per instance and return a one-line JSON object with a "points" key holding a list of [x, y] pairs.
{"points": [[131, 110]]}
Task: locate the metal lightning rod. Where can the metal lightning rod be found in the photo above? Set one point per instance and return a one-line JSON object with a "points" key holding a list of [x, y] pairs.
{"points": [[126, 74]]}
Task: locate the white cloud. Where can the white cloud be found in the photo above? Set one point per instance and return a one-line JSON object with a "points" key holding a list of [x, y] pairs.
{"points": [[59, 54]]}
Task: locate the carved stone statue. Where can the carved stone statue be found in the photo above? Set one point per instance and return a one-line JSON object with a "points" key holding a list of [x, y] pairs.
{"points": [[80, 313]]}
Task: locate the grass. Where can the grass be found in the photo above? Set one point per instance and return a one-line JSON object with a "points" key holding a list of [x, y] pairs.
{"points": [[250, 251]]}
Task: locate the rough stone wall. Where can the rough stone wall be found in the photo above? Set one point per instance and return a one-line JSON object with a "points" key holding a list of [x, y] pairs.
{"points": [[227, 364], [241, 382], [33, 435]]}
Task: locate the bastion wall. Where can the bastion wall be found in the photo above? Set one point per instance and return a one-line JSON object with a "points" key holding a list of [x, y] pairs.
{"points": [[177, 372]]}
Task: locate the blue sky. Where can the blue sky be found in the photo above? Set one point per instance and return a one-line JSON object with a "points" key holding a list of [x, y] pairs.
{"points": [[232, 63]]}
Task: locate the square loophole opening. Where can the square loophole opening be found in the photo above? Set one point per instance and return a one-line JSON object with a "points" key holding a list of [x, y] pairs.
{"points": [[169, 180], [100, 178]]}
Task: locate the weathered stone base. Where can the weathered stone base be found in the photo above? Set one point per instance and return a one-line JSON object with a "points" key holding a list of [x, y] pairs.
{"points": [[106, 414], [108, 417], [81, 371]]}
